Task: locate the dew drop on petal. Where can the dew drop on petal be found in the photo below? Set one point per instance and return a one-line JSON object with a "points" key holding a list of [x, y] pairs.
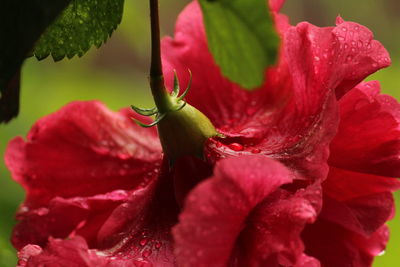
{"points": [[382, 253], [123, 156], [218, 144], [146, 253], [157, 245], [236, 147], [143, 242], [256, 151]]}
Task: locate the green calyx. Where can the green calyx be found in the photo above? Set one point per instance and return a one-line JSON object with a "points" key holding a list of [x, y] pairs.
{"points": [[182, 128]]}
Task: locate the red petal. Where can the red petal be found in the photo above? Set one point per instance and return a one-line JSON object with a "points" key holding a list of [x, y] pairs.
{"points": [[335, 246], [363, 215], [135, 226], [26, 252], [216, 210], [272, 233], [368, 139], [82, 150], [307, 261], [75, 253], [77, 166], [276, 5], [291, 116], [344, 185], [358, 55], [350, 228]]}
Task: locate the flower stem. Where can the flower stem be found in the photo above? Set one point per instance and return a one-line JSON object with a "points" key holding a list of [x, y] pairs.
{"points": [[158, 89]]}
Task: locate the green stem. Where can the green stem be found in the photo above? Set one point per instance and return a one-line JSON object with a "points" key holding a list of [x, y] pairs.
{"points": [[158, 89]]}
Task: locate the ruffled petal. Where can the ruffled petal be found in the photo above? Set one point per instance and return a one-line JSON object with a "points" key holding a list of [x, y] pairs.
{"points": [[357, 55], [77, 166], [225, 218], [75, 253], [63, 217], [295, 109], [82, 150], [335, 246], [272, 233], [216, 210], [351, 226], [132, 226], [369, 132]]}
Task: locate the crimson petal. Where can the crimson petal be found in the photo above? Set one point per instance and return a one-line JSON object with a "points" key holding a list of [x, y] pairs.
{"points": [[369, 132], [227, 207], [73, 253], [84, 160]]}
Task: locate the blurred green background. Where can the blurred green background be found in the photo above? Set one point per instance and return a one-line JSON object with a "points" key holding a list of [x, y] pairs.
{"points": [[116, 74]]}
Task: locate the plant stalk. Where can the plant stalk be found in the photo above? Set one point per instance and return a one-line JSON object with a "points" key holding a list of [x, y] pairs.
{"points": [[158, 89]]}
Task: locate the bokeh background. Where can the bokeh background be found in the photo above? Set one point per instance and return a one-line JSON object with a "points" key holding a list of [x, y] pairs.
{"points": [[116, 74]]}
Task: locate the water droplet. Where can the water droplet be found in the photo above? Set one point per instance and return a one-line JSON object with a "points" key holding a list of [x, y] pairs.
{"points": [[23, 209], [344, 29], [256, 151], [42, 211], [146, 253], [316, 58], [123, 156], [101, 150], [143, 242], [341, 38], [218, 144], [157, 245], [236, 147], [374, 65], [382, 253]]}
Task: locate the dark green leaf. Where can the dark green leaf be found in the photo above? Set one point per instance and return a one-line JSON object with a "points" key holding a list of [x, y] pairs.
{"points": [[242, 38], [21, 24], [83, 24]]}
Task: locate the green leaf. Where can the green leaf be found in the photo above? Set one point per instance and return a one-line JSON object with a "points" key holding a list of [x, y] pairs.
{"points": [[82, 24], [21, 24], [242, 38]]}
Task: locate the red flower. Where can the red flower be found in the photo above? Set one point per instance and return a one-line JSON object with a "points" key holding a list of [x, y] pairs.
{"points": [[94, 177]]}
